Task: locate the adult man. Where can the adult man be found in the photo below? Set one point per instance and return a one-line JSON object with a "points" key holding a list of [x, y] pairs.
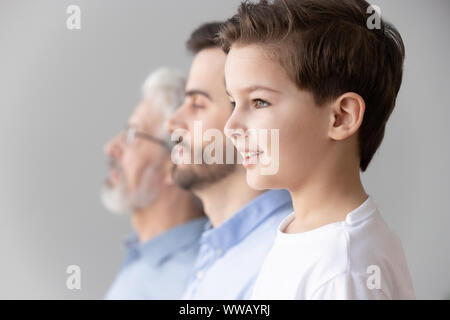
{"points": [[242, 220], [167, 220]]}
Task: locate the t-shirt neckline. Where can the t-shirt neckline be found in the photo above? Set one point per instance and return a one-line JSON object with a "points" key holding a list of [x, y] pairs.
{"points": [[364, 211]]}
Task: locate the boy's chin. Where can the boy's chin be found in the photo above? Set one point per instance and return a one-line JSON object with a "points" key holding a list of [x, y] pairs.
{"points": [[258, 181]]}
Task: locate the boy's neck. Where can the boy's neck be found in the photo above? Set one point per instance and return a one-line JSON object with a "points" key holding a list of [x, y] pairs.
{"points": [[326, 198]]}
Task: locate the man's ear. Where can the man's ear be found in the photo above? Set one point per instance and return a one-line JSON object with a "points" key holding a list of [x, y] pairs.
{"points": [[347, 113]]}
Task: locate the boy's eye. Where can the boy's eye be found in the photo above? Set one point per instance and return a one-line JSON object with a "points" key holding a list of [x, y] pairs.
{"points": [[258, 103]]}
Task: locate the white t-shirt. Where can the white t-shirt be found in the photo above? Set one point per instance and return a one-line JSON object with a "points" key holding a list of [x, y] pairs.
{"points": [[359, 258]]}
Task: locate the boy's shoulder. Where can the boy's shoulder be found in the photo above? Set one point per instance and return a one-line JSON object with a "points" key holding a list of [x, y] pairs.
{"points": [[365, 252]]}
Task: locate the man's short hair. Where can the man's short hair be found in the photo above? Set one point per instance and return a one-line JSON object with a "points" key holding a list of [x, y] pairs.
{"points": [[326, 47], [204, 37]]}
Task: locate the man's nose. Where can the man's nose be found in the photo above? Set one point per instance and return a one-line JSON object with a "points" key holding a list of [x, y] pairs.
{"points": [[177, 119]]}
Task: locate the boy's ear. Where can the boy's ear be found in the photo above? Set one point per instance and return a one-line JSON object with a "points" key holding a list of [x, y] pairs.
{"points": [[347, 113]]}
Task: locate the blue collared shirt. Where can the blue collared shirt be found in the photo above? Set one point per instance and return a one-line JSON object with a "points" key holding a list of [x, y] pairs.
{"points": [[232, 254], [160, 267]]}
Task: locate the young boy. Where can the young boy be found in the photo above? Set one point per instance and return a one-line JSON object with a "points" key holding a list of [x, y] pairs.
{"points": [[314, 72]]}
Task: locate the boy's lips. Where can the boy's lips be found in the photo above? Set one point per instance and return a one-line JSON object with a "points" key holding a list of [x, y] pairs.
{"points": [[250, 157]]}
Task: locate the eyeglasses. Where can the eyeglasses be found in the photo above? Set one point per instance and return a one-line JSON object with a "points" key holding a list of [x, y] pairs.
{"points": [[131, 133]]}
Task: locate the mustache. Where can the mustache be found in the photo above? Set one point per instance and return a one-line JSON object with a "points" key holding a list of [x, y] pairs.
{"points": [[114, 164], [181, 142]]}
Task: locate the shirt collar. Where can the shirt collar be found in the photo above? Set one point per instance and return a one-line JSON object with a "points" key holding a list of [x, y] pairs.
{"points": [[157, 249], [238, 226]]}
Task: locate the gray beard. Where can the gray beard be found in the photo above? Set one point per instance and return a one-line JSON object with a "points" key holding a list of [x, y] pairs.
{"points": [[116, 199]]}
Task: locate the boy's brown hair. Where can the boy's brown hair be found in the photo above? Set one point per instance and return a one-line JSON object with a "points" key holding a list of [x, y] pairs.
{"points": [[326, 47]]}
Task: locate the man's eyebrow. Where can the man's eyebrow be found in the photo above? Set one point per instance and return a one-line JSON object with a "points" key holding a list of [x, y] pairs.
{"points": [[194, 92]]}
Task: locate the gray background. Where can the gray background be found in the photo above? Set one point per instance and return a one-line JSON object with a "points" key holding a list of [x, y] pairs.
{"points": [[65, 93]]}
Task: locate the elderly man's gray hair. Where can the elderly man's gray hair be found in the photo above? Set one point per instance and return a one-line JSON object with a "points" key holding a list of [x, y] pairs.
{"points": [[165, 87]]}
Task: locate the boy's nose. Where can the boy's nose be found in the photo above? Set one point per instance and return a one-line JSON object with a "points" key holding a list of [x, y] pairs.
{"points": [[235, 127]]}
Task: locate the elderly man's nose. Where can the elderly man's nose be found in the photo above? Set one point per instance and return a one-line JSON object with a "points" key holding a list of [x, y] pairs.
{"points": [[168, 126], [113, 148]]}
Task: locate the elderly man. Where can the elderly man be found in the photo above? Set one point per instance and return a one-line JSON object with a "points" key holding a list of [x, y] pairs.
{"points": [[167, 220]]}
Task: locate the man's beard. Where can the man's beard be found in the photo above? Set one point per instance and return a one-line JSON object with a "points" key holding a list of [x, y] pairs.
{"points": [[199, 176], [117, 200]]}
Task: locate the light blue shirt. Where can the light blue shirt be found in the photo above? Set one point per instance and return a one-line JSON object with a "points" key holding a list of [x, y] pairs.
{"points": [[232, 254], [160, 267]]}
